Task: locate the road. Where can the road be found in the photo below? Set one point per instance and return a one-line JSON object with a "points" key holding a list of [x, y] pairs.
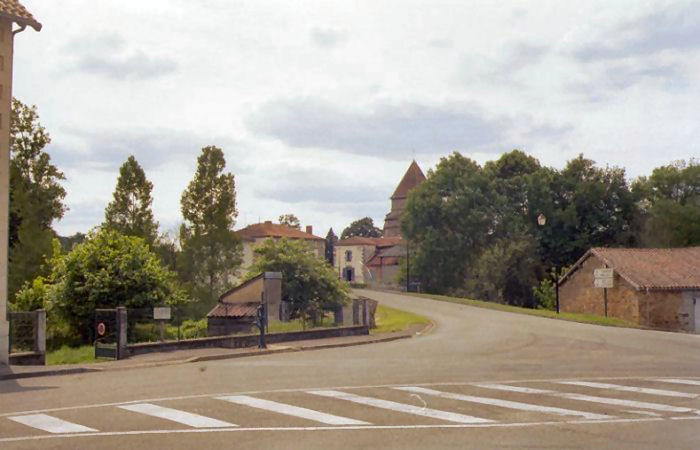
{"points": [[480, 379]]}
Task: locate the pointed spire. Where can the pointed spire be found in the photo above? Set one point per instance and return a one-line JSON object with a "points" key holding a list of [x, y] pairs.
{"points": [[412, 178]]}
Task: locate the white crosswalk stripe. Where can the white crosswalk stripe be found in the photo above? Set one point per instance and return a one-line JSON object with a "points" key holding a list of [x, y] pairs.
{"points": [[618, 387], [51, 424], [590, 398], [505, 403], [401, 407], [175, 415], [291, 410], [678, 381]]}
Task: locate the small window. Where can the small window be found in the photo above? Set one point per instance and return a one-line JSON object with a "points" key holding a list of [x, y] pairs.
{"points": [[348, 255]]}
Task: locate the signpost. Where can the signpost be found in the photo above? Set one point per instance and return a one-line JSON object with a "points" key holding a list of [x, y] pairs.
{"points": [[603, 278], [161, 314]]}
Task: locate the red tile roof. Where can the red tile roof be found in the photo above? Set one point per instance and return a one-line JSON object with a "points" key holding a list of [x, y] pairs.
{"points": [[377, 242], [412, 178], [269, 229], [651, 268], [13, 10], [390, 256], [234, 310]]}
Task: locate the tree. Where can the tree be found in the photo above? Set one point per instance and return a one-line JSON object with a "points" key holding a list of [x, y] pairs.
{"points": [[670, 205], [308, 283], [36, 196], [331, 239], [106, 270], [290, 220], [363, 227], [130, 211], [211, 251]]}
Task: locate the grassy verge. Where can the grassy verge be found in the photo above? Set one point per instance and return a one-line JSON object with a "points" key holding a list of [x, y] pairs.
{"points": [[71, 355], [391, 319], [297, 325], [572, 317]]}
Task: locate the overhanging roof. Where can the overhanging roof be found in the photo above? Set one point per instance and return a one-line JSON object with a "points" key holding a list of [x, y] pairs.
{"points": [[14, 11]]}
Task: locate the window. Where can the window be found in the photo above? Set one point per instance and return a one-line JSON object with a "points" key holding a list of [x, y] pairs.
{"points": [[348, 255]]}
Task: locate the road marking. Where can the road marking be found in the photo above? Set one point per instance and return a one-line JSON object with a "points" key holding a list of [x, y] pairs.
{"points": [[340, 428], [402, 407], [505, 403], [677, 381], [590, 398], [619, 387], [291, 410], [183, 417], [51, 424]]}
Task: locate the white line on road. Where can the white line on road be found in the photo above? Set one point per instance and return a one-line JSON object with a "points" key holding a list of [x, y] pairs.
{"points": [[505, 403], [291, 410], [619, 387], [183, 417], [402, 407], [340, 428], [590, 398], [677, 381], [51, 424]]}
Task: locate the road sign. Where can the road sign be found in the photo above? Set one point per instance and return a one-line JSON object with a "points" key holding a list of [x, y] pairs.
{"points": [[161, 313], [603, 273], [603, 282], [101, 329]]}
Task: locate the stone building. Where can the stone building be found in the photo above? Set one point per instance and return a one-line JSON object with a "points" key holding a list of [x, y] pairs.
{"points": [[656, 288], [11, 12], [351, 257], [412, 178]]}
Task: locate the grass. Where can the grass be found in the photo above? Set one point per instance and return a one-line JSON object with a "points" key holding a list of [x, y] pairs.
{"points": [[71, 355], [391, 319], [572, 317]]}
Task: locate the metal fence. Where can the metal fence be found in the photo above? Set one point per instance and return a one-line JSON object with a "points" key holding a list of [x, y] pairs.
{"points": [[22, 331], [148, 325]]}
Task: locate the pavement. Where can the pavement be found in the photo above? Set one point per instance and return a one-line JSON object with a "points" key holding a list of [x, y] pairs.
{"points": [[480, 379], [203, 354]]}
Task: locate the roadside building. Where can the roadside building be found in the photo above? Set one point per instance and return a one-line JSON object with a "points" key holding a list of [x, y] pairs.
{"points": [[255, 234], [352, 255], [656, 288]]}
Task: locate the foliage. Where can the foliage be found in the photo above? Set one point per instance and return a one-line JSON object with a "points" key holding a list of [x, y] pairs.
{"points": [[545, 294], [211, 251], [36, 197], [331, 240], [290, 220], [68, 242], [71, 355], [670, 205], [105, 271], [362, 227], [130, 211], [389, 320], [308, 283]]}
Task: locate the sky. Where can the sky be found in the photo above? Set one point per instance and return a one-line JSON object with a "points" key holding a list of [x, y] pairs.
{"points": [[320, 106]]}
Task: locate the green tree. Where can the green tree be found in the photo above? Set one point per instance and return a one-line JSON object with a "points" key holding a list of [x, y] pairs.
{"points": [[290, 220], [106, 270], [36, 197], [669, 202], [331, 239], [362, 227], [130, 210], [211, 251], [308, 283]]}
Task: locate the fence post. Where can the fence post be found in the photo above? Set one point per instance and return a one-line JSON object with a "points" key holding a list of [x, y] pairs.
{"points": [[121, 332], [40, 334]]}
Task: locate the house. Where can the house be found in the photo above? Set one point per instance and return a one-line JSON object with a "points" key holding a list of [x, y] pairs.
{"points": [[352, 255], [11, 12], [255, 234], [653, 287]]}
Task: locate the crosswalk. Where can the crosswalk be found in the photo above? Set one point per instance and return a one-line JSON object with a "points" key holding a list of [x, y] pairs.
{"points": [[408, 406]]}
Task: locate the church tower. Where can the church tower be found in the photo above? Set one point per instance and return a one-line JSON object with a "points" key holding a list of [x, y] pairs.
{"points": [[413, 177]]}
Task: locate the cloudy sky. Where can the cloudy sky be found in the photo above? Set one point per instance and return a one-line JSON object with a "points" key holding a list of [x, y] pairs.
{"points": [[320, 106]]}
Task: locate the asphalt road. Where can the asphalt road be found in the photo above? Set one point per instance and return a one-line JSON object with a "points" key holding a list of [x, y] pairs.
{"points": [[480, 379]]}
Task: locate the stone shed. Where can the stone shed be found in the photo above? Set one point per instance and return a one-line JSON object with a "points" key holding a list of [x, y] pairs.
{"points": [[654, 287]]}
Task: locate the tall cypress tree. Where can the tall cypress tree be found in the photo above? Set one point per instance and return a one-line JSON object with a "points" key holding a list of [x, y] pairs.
{"points": [[211, 251], [331, 239], [130, 211]]}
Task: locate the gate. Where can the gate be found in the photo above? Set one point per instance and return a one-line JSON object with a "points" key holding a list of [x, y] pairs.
{"points": [[107, 333]]}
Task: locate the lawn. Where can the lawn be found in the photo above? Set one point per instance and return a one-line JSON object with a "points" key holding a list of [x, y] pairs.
{"points": [[572, 317], [391, 319], [71, 355]]}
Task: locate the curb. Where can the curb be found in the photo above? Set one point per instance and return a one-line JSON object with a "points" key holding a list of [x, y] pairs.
{"points": [[50, 373]]}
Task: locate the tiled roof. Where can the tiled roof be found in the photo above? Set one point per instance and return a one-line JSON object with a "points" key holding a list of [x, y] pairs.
{"points": [[13, 10], [651, 268], [412, 178], [377, 242], [234, 310], [390, 256], [269, 229]]}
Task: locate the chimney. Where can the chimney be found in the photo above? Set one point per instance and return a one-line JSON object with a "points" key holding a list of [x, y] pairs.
{"points": [[268, 222], [309, 229]]}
